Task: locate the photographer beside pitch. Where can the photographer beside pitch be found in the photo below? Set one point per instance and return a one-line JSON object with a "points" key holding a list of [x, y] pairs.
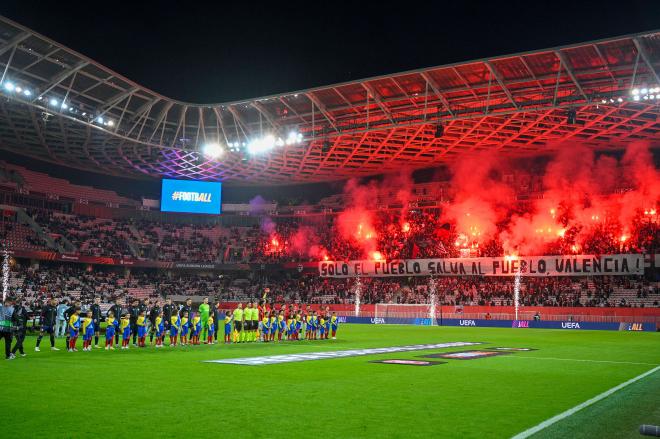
{"points": [[6, 312], [19, 319]]}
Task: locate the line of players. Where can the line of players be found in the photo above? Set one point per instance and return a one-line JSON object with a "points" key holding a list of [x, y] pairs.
{"points": [[240, 326], [291, 325], [180, 326], [81, 325]]}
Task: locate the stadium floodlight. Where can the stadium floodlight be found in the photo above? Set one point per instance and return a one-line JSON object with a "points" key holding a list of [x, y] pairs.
{"points": [[99, 119], [18, 89], [111, 123], [619, 100], [261, 144], [644, 91], [212, 150], [636, 98], [27, 92], [64, 106], [53, 102], [293, 138], [9, 86], [635, 91]]}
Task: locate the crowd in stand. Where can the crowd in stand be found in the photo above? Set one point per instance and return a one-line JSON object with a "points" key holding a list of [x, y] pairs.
{"points": [[421, 234], [73, 282], [415, 234]]}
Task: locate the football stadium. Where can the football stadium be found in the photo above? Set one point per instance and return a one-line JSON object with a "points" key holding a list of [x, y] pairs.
{"points": [[465, 250]]}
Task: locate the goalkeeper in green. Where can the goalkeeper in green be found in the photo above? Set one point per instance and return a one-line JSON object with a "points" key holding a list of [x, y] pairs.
{"points": [[204, 310]]}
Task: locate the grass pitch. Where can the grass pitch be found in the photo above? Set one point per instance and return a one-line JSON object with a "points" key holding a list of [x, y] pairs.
{"points": [[172, 393]]}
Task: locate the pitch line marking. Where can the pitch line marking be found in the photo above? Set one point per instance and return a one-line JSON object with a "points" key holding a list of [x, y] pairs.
{"points": [[586, 361], [306, 356], [577, 408]]}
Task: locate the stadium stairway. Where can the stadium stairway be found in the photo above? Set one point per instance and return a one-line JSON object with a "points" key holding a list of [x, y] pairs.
{"points": [[23, 218], [68, 245], [133, 243]]}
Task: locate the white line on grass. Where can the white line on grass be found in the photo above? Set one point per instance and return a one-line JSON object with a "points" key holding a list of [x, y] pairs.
{"points": [[577, 408], [304, 356], [581, 360]]}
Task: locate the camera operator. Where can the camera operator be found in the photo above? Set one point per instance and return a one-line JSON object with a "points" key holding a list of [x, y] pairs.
{"points": [[6, 312], [19, 320]]}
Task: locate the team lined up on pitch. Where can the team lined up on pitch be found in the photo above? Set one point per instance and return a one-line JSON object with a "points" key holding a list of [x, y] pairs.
{"points": [[242, 325]]}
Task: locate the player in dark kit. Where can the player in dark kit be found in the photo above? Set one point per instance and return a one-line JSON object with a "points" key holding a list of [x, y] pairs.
{"points": [[217, 316], [117, 312], [328, 317], [168, 311], [187, 308], [48, 320], [154, 312], [133, 313], [144, 308], [96, 320]]}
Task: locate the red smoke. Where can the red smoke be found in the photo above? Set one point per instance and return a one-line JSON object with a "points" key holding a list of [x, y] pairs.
{"points": [[306, 243], [480, 200], [356, 224], [587, 201], [579, 202]]}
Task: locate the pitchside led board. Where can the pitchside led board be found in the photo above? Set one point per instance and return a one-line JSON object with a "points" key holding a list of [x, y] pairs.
{"points": [[191, 196]]}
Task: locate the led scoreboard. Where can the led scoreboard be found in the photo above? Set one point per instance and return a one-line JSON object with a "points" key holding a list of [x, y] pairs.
{"points": [[191, 196]]}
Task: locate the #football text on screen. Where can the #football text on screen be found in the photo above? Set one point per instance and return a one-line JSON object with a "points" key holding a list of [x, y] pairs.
{"points": [[191, 196]]}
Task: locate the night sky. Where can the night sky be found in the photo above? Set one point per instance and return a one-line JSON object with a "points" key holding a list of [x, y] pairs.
{"points": [[226, 51]]}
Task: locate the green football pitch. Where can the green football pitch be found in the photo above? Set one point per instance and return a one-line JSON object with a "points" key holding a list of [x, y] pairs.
{"points": [[172, 392]]}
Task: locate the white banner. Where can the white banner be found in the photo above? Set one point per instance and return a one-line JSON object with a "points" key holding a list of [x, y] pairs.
{"points": [[533, 266]]}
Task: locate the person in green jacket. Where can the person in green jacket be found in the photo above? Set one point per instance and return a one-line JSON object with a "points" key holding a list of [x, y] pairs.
{"points": [[204, 310]]}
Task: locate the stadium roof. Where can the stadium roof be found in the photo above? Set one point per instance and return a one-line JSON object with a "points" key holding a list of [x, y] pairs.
{"points": [[78, 113]]}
